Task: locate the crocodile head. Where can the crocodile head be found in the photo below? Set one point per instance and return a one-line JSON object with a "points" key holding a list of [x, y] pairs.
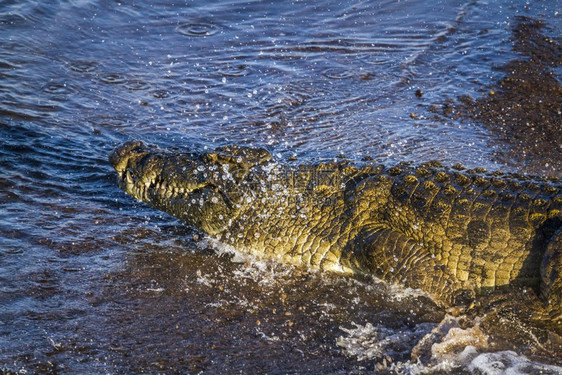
{"points": [[204, 190]]}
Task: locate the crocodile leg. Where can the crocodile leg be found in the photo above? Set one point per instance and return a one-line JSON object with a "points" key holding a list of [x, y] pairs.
{"points": [[551, 287], [394, 257]]}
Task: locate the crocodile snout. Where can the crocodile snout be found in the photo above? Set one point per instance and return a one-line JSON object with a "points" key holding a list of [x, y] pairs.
{"points": [[120, 156]]}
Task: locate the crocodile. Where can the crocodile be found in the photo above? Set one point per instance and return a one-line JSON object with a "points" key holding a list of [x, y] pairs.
{"points": [[452, 232]]}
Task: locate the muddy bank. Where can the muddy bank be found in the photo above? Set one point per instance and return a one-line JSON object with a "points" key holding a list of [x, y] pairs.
{"points": [[525, 107]]}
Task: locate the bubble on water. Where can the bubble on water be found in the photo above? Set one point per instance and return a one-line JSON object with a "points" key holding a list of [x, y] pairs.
{"points": [[198, 29]]}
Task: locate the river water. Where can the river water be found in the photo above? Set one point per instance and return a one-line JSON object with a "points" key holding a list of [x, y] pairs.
{"points": [[93, 282]]}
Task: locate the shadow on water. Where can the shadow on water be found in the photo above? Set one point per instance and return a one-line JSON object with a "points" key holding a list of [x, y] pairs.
{"points": [[93, 282]]}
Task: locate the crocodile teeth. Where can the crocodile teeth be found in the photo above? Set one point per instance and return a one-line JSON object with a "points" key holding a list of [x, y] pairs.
{"points": [[128, 178]]}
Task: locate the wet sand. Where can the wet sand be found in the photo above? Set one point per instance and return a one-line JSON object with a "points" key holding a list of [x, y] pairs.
{"points": [[525, 107]]}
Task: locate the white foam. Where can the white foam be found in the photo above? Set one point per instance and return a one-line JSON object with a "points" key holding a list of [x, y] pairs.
{"points": [[509, 363], [223, 249], [373, 342], [397, 292], [457, 339], [262, 269], [452, 349], [155, 290]]}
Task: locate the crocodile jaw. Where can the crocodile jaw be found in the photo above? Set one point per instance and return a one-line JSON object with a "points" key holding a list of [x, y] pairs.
{"points": [[190, 187], [144, 174]]}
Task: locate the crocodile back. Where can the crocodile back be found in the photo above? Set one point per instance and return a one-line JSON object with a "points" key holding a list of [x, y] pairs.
{"points": [[490, 229]]}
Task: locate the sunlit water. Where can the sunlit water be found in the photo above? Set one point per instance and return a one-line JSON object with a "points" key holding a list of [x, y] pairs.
{"points": [[93, 282]]}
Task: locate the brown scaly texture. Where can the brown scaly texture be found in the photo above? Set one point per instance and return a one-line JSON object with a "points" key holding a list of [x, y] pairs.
{"points": [[452, 232]]}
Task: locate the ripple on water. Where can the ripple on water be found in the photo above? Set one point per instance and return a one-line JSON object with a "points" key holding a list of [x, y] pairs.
{"points": [[160, 94], [113, 78], [57, 88], [137, 84], [235, 70], [338, 73], [291, 96], [83, 66], [11, 18], [5, 64], [198, 29]]}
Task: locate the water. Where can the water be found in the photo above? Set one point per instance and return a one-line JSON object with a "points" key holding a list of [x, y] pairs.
{"points": [[93, 282]]}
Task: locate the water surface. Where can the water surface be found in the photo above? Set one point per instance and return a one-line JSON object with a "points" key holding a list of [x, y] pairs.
{"points": [[91, 281]]}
